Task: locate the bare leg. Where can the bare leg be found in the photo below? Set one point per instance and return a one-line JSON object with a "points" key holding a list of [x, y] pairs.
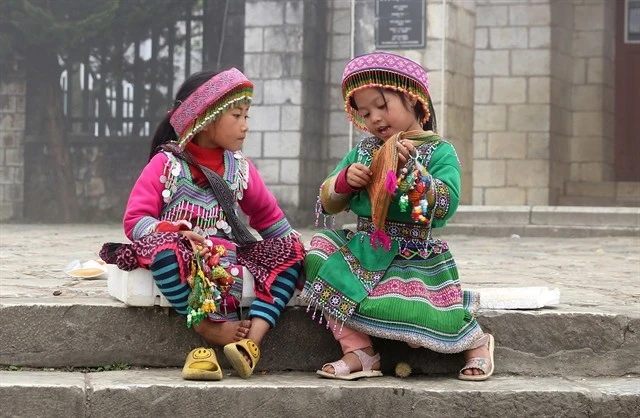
{"points": [[259, 328], [222, 333]]}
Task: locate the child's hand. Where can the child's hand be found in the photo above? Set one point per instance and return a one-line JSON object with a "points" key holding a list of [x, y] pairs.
{"points": [[405, 150], [358, 175], [198, 242]]}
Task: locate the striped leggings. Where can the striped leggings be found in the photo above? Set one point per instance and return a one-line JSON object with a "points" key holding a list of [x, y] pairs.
{"points": [[166, 274]]}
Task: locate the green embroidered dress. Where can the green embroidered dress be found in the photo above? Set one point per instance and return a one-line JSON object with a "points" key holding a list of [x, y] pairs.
{"points": [[410, 293]]}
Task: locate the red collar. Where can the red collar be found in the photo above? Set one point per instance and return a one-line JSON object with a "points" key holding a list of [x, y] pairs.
{"points": [[211, 158]]}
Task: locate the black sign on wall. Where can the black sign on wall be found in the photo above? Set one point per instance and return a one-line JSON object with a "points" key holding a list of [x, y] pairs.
{"points": [[400, 24]]}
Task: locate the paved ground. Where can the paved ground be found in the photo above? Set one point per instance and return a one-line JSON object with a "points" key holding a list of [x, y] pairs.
{"points": [[593, 274]]}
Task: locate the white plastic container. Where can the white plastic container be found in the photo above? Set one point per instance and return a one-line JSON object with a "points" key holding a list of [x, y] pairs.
{"points": [[137, 288]]}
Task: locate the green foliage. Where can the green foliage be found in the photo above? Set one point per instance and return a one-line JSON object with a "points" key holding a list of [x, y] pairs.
{"points": [[74, 26], [106, 368]]}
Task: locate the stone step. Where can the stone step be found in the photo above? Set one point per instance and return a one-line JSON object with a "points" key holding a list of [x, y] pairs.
{"points": [[598, 201], [542, 221], [548, 216], [548, 342], [162, 393], [546, 231]]}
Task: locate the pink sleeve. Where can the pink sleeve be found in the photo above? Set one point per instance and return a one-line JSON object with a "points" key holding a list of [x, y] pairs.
{"points": [[342, 186], [145, 201], [258, 203]]}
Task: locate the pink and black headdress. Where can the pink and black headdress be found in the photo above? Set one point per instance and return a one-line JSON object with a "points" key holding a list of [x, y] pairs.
{"points": [[224, 90]]}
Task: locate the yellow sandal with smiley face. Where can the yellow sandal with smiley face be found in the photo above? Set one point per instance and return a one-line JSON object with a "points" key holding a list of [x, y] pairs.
{"points": [[202, 364], [237, 354]]}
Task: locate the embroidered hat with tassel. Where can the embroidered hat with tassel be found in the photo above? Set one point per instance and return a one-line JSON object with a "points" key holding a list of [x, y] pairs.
{"points": [[385, 70], [223, 91]]}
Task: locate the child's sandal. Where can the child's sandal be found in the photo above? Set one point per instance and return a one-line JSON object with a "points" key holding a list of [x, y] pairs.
{"points": [[480, 363], [235, 353], [202, 364], [342, 371]]}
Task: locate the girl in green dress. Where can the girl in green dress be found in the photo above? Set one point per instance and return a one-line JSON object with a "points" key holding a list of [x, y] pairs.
{"points": [[390, 278]]}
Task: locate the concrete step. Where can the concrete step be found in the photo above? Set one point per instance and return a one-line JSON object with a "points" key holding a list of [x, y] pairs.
{"points": [[547, 342], [162, 393]]}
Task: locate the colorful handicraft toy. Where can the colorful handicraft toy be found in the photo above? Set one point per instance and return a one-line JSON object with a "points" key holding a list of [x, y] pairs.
{"points": [[210, 284], [416, 189]]}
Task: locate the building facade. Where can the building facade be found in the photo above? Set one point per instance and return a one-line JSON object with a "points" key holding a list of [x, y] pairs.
{"points": [[536, 95]]}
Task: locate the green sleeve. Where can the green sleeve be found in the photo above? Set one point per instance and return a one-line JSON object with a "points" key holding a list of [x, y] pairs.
{"points": [[444, 167], [350, 158]]}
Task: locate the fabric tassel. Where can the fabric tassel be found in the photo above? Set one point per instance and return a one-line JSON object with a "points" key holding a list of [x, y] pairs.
{"points": [[380, 237], [391, 183]]}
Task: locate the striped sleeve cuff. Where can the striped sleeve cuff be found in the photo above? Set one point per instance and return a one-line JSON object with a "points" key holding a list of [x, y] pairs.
{"points": [[280, 229], [143, 227]]}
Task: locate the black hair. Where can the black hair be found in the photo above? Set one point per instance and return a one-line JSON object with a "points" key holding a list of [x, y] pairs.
{"points": [[418, 110], [165, 132]]}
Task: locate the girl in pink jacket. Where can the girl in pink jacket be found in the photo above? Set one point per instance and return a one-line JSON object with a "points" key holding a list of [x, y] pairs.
{"points": [[182, 220]]}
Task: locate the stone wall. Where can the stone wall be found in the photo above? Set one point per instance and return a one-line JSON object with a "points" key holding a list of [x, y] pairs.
{"points": [[453, 99], [544, 99], [105, 171], [512, 103], [523, 89], [283, 132], [12, 131]]}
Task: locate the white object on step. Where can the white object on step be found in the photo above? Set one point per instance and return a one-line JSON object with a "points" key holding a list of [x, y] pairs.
{"points": [[518, 297], [137, 288], [88, 270]]}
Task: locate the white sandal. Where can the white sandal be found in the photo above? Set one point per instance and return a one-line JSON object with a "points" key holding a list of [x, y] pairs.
{"points": [[343, 372], [486, 365]]}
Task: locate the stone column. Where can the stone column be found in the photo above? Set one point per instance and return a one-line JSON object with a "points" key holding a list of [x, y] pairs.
{"points": [[454, 99], [284, 57], [592, 145], [12, 127]]}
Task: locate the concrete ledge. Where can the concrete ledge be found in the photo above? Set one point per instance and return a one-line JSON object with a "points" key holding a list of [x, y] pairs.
{"points": [[585, 216], [543, 231], [162, 393], [540, 343], [491, 215], [542, 221]]}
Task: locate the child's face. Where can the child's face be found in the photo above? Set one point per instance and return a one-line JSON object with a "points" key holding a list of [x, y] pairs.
{"points": [[385, 115], [228, 131]]}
